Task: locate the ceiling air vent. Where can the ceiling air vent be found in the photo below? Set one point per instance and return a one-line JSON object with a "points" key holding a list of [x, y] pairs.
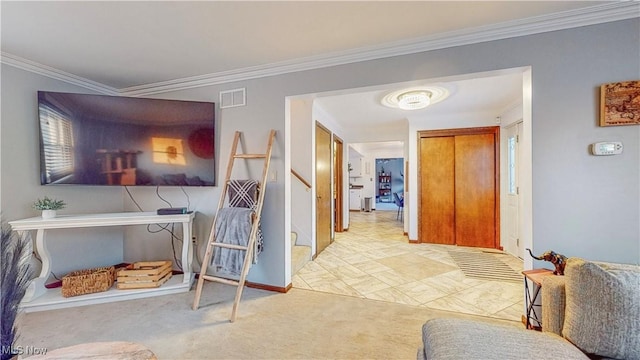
{"points": [[233, 98]]}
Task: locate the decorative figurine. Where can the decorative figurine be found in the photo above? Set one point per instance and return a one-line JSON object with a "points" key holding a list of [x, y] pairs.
{"points": [[558, 260]]}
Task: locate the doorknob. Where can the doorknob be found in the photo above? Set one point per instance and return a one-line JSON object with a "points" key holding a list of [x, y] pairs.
{"points": [[318, 197]]}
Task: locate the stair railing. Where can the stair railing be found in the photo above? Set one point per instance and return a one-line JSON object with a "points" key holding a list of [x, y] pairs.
{"points": [[301, 179]]}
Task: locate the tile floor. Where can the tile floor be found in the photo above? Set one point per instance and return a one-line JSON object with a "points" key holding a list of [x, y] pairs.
{"points": [[386, 206], [374, 260]]}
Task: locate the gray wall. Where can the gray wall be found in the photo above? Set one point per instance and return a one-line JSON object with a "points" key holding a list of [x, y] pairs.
{"points": [[20, 180], [301, 198], [582, 205]]}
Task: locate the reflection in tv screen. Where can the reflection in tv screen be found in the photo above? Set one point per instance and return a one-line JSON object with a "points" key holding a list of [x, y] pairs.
{"points": [[111, 140]]}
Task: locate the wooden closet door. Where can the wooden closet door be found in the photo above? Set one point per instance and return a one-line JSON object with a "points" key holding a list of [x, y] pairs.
{"points": [[475, 190], [437, 190]]}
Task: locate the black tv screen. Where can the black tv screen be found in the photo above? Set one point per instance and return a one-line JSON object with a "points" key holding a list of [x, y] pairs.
{"points": [[113, 140]]}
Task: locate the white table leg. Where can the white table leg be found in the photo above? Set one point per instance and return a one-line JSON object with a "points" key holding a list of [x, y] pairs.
{"points": [[187, 253], [37, 286]]}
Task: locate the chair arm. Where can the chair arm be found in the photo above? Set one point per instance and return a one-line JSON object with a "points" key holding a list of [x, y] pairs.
{"points": [[553, 304]]}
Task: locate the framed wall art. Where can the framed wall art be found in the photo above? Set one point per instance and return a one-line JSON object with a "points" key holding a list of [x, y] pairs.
{"points": [[620, 103]]}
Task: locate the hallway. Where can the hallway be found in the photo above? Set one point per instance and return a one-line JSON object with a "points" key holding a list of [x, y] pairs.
{"points": [[373, 260]]}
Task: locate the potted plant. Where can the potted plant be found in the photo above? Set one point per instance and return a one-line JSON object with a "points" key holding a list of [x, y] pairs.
{"points": [[48, 206], [15, 277]]}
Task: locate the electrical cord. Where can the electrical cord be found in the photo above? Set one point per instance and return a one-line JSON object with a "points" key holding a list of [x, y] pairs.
{"points": [[35, 256], [132, 199], [160, 197], [174, 238], [164, 227], [187, 195]]}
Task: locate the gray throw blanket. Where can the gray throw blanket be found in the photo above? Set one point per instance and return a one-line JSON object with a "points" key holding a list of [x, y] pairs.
{"points": [[244, 193], [233, 226]]}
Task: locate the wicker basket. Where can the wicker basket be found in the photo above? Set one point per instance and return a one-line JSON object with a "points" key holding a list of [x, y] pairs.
{"points": [[88, 281]]}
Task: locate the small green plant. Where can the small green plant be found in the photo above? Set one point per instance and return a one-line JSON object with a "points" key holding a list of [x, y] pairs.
{"points": [[48, 204]]}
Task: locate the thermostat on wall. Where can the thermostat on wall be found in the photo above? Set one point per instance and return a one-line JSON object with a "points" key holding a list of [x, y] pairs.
{"points": [[607, 148]]}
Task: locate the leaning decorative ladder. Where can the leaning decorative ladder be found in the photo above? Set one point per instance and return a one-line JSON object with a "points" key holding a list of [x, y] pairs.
{"points": [[254, 227]]}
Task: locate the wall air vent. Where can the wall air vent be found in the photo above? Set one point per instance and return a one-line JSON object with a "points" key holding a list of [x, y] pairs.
{"points": [[233, 98]]}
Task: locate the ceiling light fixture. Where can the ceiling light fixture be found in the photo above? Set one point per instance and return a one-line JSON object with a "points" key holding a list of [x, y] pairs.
{"points": [[415, 98]]}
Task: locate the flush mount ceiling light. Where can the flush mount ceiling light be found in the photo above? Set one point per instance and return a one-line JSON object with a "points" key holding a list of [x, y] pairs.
{"points": [[415, 98]]}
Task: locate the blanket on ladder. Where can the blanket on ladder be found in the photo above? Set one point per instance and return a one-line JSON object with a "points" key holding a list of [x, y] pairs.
{"points": [[233, 226], [244, 193]]}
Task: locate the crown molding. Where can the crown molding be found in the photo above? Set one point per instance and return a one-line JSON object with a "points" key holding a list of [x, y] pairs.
{"points": [[529, 26], [53, 73], [598, 14]]}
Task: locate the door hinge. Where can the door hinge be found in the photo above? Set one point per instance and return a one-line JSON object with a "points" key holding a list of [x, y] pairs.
{"points": [[517, 190], [517, 138], [518, 242]]}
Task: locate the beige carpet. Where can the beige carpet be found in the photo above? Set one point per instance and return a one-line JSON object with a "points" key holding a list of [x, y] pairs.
{"points": [[301, 324]]}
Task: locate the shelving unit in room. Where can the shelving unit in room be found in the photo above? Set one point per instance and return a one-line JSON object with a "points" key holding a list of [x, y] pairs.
{"points": [[39, 298], [385, 193]]}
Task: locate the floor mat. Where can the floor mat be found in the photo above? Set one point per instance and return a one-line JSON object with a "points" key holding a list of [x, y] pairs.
{"points": [[486, 266]]}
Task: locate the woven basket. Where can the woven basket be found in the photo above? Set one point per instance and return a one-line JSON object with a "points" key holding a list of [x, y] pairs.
{"points": [[87, 281]]}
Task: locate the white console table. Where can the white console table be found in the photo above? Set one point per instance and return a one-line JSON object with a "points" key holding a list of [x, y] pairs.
{"points": [[38, 297]]}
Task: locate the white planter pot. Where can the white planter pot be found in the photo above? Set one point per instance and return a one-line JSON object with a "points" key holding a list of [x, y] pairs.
{"points": [[48, 214]]}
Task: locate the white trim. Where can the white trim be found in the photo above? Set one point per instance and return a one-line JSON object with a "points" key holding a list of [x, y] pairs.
{"points": [[287, 190], [53, 73], [592, 15], [526, 167]]}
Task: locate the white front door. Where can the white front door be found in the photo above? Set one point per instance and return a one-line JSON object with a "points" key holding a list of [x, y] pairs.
{"points": [[513, 214]]}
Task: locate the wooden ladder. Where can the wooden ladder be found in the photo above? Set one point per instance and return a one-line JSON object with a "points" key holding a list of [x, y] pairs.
{"points": [[248, 258]]}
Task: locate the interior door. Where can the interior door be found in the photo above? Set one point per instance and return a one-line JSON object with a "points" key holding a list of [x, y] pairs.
{"points": [[323, 188], [475, 190], [513, 212], [437, 190], [338, 189]]}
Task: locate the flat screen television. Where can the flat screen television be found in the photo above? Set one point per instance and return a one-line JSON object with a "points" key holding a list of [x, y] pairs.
{"points": [[114, 140]]}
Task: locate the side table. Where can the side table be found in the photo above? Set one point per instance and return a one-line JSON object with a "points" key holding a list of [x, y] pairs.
{"points": [[531, 317], [39, 298]]}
